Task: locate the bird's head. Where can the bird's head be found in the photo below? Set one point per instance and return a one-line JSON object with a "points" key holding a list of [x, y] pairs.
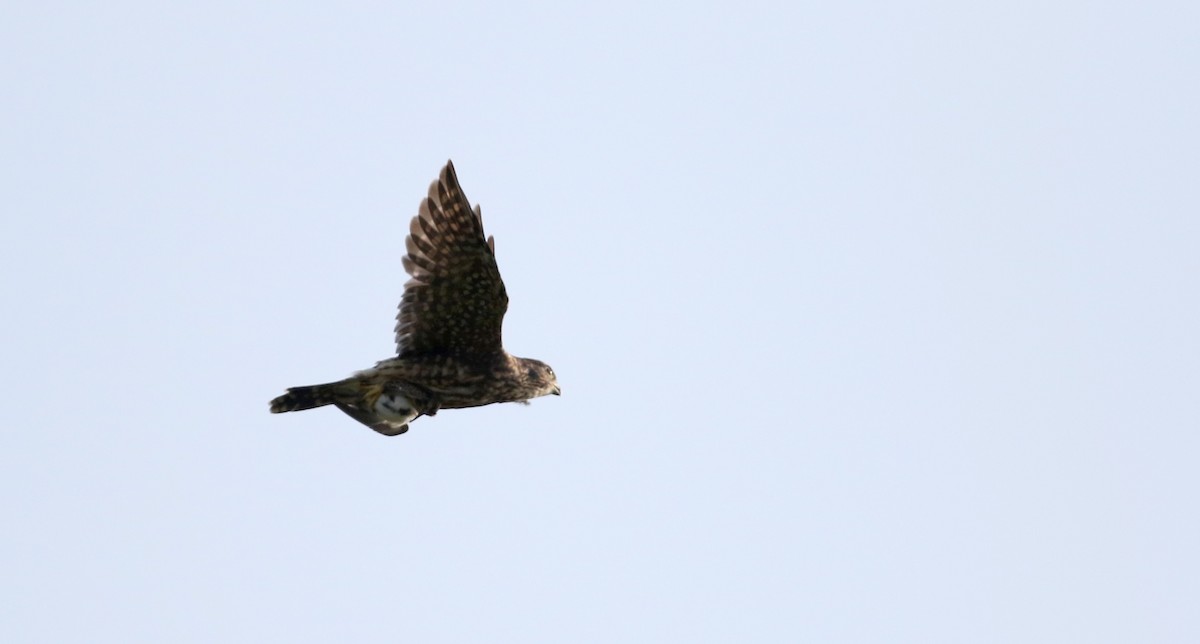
{"points": [[537, 378]]}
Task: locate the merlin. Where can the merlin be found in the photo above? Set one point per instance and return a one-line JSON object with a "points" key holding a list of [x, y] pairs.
{"points": [[449, 353]]}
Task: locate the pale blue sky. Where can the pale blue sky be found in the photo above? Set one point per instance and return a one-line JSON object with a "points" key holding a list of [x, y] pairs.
{"points": [[875, 322]]}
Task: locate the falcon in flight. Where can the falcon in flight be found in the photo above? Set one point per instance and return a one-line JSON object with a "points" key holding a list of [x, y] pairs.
{"points": [[449, 352]]}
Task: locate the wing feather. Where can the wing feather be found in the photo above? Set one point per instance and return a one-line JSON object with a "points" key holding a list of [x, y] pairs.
{"points": [[455, 301]]}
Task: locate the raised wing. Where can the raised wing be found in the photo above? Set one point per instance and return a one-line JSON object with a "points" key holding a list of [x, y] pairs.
{"points": [[455, 302]]}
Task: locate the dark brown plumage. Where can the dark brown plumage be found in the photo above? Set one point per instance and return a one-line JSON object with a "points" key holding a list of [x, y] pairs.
{"points": [[448, 331]]}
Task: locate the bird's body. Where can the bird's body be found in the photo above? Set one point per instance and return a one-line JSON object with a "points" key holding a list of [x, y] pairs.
{"points": [[448, 337]]}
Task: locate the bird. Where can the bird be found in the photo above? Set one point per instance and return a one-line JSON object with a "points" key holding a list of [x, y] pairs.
{"points": [[449, 351]]}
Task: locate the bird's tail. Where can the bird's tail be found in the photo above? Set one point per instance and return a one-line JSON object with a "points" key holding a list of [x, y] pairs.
{"points": [[301, 398]]}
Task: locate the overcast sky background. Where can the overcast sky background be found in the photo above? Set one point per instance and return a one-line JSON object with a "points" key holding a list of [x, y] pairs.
{"points": [[875, 322]]}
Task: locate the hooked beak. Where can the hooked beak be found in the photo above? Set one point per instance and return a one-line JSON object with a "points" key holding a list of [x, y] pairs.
{"points": [[557, 391]]}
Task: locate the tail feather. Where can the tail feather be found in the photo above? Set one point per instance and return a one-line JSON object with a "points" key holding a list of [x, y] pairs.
{"points": [[301, 398], [386, 408]]}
